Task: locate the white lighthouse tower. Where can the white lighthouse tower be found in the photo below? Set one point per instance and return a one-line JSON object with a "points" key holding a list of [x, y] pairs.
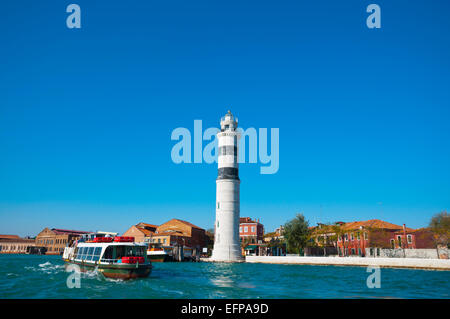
{"points": [[226, 242]]}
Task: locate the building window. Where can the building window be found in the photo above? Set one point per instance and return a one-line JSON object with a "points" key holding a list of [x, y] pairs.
{"points": [[353, 251], [346, 237], [399, 238], [240, 229], [358, 236], [409, 238], [365, 236], [218, 205], [352, 236], [245, 229], [253, 229], [392, 243], [378, 252]]}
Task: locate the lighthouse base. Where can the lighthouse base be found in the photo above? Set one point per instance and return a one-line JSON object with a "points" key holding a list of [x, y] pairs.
{"points": [[227, 254]]}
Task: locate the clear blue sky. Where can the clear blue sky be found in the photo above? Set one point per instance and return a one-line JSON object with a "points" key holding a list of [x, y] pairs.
{"points": [[86, 115]]}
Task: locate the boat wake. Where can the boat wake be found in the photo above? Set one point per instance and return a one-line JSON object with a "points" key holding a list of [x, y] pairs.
{"points": [[92, 274], [46, 267]]}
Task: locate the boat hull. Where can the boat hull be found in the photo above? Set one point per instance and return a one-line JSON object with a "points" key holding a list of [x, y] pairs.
{"points": [[157, 258], [116, 271]]}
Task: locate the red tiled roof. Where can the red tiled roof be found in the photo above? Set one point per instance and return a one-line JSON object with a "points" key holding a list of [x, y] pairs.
{"points": [[423, 229], [372, 223], [145, 231], [9, 236], [186, 223], [146, 225], [16, 240], [67, 231]]}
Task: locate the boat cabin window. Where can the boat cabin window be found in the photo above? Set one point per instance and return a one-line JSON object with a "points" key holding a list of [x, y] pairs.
{"points": [[80, 253], [97, 253], [88, 253], [126, 251], [108, 253]]}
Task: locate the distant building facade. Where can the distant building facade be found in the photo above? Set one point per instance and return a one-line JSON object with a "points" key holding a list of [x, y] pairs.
{"points": [[55, 240], [373, 238], [174, 232], [141, 232], [363, 238], [250, 230], [421, 238], [181, 232], [13, 244]]}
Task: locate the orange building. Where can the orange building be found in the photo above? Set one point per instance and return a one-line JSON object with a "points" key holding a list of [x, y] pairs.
{"points": [[141, 232], [181, 232], [175, 231]]}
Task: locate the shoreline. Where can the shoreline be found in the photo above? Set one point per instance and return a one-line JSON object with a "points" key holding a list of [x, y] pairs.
{"points": [[411, 263]]}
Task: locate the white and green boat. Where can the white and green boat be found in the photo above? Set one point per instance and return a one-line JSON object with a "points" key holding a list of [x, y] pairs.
{"points": [[118, 257]]}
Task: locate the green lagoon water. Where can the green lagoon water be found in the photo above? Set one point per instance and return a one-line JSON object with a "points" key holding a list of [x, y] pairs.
{"points": [[24, 276]]}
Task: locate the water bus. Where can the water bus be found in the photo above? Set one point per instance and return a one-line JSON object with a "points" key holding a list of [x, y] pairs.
{"points": [[114, 257], [156, 253]]}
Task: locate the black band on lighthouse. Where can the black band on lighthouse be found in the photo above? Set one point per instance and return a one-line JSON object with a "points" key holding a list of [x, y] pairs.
{"points": [[228, 173]]}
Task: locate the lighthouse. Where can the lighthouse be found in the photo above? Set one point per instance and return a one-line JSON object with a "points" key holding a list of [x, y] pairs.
{"points": [[226, 241]]}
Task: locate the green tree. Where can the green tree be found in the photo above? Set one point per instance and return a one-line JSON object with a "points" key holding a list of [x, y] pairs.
{"points": [[210, 239], [440, 226], [297, 233]]}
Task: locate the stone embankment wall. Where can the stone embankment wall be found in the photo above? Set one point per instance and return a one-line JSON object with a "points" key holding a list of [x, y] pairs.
{"points": [[420, 263], [409, 253]]}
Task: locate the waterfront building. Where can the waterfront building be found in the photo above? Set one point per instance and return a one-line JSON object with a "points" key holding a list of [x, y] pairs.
{"points": [[359, 238], [279, 231], [276, 245], [256, 249], [141, 232], [422, 238], [366, 237], [422, 242], [13, 244], [171, 238], [373, 238], [173, 232], [55, 240], [226, 242], [181, 232], [250, 231]]}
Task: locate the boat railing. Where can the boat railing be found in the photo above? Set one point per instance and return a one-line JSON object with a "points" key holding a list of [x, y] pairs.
{"points": [[109, 261]]}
